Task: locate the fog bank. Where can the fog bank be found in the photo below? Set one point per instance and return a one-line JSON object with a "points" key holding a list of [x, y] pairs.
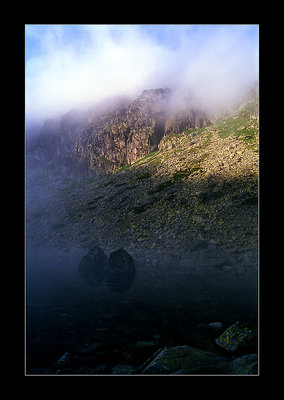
{"points": [[69, 66]]}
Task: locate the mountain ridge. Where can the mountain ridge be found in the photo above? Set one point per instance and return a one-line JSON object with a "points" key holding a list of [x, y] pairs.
{"points": [[198, 188], [99, 141]]}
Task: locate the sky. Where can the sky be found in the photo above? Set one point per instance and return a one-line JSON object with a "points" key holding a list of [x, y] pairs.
{"points": [[67, 66]]}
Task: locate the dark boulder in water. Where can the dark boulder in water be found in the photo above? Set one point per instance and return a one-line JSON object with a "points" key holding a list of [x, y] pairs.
{"points": [[184, 360], [92, 266], [120, 271], [237, 336]]}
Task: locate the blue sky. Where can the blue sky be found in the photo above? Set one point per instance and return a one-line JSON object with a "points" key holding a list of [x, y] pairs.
{"points": [[67, 65], [168, 35]]}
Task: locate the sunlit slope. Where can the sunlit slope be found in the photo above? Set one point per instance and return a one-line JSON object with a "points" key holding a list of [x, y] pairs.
{"points": [[201, 185]]}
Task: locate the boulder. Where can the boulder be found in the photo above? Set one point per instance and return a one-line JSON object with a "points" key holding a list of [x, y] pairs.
{"points": [[185, 359], [216, 326], [237, 336], [245, 365], [120, 271], [92, 266]]}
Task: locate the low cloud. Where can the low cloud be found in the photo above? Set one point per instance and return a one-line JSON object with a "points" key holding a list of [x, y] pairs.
{"points": [[65, 69]]}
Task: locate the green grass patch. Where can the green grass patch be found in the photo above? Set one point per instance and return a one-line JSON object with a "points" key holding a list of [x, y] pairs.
{"points": [[194, 131], [120, 184], [248, 137], [182, 174], [130, 183], [145, 159], [176, 177], [110, 182], [155, 161], [93, 204], [242, 124], [161, 187], [141, 176], [122, 168]]}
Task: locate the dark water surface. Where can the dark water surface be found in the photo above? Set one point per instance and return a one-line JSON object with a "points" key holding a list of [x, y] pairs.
{"points": [[164, 307]]}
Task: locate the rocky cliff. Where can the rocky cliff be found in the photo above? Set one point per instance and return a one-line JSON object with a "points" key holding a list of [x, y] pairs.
{"points": [[103, 139], [198, 185]]}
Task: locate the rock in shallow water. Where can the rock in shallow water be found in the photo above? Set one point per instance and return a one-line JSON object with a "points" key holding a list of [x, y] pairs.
{"points": [[215, 325], [92, 266], [237, 336], [120, 271], [63, 361], [190, 360]]}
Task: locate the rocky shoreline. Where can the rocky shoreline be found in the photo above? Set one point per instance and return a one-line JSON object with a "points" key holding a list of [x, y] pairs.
{"points": [[239, 356]]}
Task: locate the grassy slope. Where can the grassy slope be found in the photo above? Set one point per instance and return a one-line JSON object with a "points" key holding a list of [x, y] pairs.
{"points": [[200, 185]]}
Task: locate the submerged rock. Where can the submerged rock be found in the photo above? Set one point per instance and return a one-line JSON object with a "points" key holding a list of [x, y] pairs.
{"points": [[185, 359], [237, 336], [63, 361], [215, 325], [92, 266], [120, 271]]}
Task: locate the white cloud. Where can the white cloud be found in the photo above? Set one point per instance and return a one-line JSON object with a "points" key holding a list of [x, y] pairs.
{"points": [[216, 63]]}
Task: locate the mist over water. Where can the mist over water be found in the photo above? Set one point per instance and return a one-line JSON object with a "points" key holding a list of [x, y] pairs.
{"points": [[165, 300], [63, 311]]}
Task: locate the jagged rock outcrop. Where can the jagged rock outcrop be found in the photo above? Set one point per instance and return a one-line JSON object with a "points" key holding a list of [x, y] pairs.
{"points": [[123, 136], [187, 119], [104, 139]]}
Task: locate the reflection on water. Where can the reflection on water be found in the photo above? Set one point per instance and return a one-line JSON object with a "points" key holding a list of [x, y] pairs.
{"points": [[164, 306]]}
